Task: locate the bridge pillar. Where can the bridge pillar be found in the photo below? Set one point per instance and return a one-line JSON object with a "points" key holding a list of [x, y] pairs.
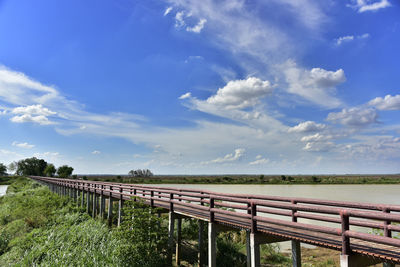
{"points": [[254, 250], [102, 204], [94, 208], [296, 253], [212, 246], [171, 226], [201, 244], [120, 207], [178, 241], [82, 198], [87, 201], [248, 250], [109, 212]]}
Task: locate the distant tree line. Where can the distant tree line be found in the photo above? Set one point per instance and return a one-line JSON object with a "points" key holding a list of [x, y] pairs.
{"points": [[140, 173], [36, 167]]}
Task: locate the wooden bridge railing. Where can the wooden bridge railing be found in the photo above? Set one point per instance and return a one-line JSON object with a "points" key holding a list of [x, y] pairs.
{"points": [[346, 226]]}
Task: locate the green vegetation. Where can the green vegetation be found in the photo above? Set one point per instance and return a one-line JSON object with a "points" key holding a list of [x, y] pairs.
{"points": [[64, 171], [3, 169], [50, 170]]}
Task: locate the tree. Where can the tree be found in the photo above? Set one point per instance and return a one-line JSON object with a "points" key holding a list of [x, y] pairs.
{"points": [[50, 170], [3, 169], [31, 166], [12, 167], [140, 173], [64, 171]]}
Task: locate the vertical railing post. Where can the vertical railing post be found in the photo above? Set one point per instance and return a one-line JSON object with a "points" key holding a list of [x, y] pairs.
{"points": [[345, 227], [120, 206], [134, 193], [171, 204], [253, 207], [387, 231], [151, 199], [296, 249], [212, 215]]}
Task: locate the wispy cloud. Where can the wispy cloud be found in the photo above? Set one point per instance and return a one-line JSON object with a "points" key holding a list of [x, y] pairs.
{"points": [[346, 39], [369, 5], [238, 154], [23, 145]]}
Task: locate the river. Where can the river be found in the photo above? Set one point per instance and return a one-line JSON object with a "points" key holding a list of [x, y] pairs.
{"points": [[3, 189]]}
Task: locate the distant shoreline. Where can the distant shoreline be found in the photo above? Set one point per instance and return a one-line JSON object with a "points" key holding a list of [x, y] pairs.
{"points": [[250, 179]]}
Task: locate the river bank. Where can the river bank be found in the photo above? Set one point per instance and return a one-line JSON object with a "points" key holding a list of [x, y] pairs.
{"points": [[249, 179]]}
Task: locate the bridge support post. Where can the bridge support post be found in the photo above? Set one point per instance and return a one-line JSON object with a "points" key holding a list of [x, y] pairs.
{"points": [[254, 250], [94, 208], [120, 207], [101, 202], [178, 242], [296, 253], [87, 201], [212, 246], [171, 226], [248, 249], [83, 198], [201, 244], [109, 212]]}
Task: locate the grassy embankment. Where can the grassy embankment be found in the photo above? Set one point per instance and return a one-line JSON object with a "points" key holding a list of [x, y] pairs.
{"points": [[6, 180], [253, 179], [39, 228]]}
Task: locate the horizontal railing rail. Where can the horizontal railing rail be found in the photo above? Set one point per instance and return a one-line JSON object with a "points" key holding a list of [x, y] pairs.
{"points": [[256, 212]]}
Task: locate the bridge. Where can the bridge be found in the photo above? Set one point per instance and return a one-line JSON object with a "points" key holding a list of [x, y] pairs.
{"points": [[365, 234]]}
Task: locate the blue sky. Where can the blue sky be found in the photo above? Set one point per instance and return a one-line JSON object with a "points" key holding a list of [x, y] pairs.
{"points": [[202, 87]]}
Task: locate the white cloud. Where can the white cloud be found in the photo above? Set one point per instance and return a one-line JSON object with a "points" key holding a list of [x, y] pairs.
{"points": [[198, 27], [369, 5], [259, 161], [343, 39], [47, 155], [42, 120], [316, 85], [240, 94], [354, 117], [315, 138], [168, 10], [318, 146], [14, 85], [22, 145], [349, 38], [387, 103], [307, 126], [187, 95], [96, 152], [239, 152], [179, 19], [33, 110]]}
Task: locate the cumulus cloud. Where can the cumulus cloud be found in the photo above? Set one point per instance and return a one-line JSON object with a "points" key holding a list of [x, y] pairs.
{"points": [[184, 96], [96, 152], [179, 19], [316, 85], [46, 154], [23, 145], [318, 146], [33, 110], [240, 94], [354, 117], [369, 5], [307, 126], [42, 120], [239, 152], [387, 103], [198, 27]]}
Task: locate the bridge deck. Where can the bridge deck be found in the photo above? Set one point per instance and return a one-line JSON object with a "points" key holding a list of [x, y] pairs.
{"points": [[273, 216]]}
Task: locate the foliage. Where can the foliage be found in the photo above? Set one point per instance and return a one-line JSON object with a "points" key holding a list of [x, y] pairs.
{"points": [[144, 241], [12, 167], [64, 171], [50, 170], [31, 166], [3, 169], [140, 173]]}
